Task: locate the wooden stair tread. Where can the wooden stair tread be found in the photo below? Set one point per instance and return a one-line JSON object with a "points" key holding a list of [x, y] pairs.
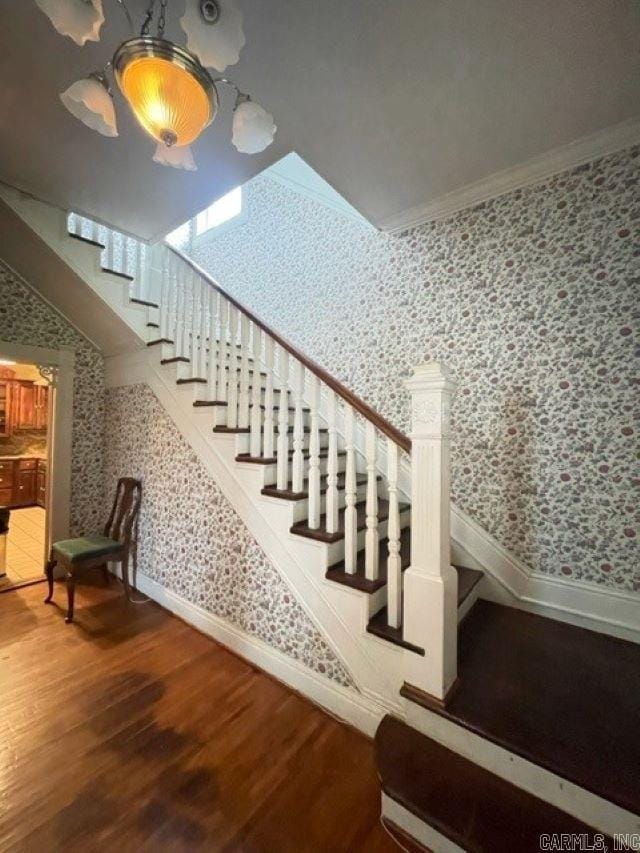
{"points": [[262, 460], [467, 579], [157, 340], [144, 302], [86, 240], [119, 274], [301, 528], [562, 697], [378, 626], [289, 495], [471, 806], [358, 580]]}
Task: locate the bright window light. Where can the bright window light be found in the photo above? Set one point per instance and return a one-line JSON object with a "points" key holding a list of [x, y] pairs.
{"points": [[220, 211], [180, 236]]}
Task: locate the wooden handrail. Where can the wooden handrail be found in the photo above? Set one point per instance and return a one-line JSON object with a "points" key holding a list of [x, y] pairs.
{"points": [[402, 440]]}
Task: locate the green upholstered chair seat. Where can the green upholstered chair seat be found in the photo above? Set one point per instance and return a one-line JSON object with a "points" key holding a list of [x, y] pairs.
{"points": [[86, 547]]}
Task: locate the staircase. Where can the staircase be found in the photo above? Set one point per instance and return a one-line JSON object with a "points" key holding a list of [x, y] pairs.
{"points": [[357, 518]]}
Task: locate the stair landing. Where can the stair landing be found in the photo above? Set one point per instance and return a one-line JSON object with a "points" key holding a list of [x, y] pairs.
{"points": [[562, 697]]}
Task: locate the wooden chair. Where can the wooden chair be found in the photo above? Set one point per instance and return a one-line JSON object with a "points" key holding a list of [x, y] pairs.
{"points": [[89, 552]]}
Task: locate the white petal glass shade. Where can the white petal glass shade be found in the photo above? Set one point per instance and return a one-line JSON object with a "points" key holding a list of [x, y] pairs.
{"points": [[253, 128], [180, 157], [219, 44], [79, 19], [89, 101]]}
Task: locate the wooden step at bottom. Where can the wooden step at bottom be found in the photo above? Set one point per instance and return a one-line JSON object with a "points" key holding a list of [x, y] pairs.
{"points": [[563, 697], [467, 580], [467, 804]]}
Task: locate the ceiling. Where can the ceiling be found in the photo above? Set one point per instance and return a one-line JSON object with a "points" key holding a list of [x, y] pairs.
{"points": [[395, 104]]}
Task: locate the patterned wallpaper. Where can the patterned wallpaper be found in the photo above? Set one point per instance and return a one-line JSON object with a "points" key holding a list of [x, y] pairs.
{"points": [[531, 299], [26, 319], [191, 539]]}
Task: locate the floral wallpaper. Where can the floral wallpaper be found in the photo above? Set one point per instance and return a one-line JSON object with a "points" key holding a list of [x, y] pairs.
{"points": [[27, 319], [532, 299], [191, 539]]}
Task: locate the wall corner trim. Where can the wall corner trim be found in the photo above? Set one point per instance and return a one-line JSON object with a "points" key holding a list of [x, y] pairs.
{"points": [[560, 159]]}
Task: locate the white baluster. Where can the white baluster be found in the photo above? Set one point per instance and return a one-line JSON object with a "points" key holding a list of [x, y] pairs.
{"points": [[350, 492], [232, 373], [94, 231], [256, 411], [332, 501], [371, 552], [163, 321], [268, 399], [181, 312], [243, 400], [138, 288], [314, 453], [223, 359], [193, 322], [297, 468], [212, 363], [202, 349], [394, 566], [283, 424], [174, 295]]}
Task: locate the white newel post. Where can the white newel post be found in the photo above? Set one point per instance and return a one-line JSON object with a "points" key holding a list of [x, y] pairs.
{"points": [[430, 582]]}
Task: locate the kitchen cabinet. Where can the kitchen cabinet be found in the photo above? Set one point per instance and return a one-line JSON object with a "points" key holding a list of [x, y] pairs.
{"points": [[42, 406], [24, 404], [6, 483], [6, 387], [41, 483], [23, 482]]}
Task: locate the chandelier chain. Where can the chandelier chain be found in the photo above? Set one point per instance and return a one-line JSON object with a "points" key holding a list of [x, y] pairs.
{"points": [[147, 18], [161, 19]]}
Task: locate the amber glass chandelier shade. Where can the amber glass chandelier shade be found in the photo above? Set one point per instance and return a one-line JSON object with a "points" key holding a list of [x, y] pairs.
{"points": [[167, 90]]}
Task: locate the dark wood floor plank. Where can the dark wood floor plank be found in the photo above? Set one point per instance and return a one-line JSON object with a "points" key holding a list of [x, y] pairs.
{"points": [[129, 730]]}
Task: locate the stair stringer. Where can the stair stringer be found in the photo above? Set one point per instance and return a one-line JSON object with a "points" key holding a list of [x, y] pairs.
{"points": [[341, 614], [50, 224]]}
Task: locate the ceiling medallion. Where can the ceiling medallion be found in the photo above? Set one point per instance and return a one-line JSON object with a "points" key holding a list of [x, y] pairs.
{"points": [[168, 87]]}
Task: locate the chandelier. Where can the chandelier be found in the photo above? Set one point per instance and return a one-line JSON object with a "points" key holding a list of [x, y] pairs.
{"points": [[169, 88]]}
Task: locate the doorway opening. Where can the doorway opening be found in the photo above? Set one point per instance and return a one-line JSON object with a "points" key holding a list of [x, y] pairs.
{"points": [[25, 445]]}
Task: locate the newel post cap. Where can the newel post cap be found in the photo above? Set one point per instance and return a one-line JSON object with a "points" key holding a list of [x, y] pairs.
{"points": [[431, 376]]}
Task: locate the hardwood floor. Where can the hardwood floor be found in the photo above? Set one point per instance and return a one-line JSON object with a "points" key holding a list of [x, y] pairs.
{"points": [[129, 730]]}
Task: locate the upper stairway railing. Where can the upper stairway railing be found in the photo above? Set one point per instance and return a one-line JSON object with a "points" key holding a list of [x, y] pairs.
{"points": [[337, 448]]}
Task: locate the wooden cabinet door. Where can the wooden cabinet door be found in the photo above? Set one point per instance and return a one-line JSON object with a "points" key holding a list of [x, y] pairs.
{"points": [[5, 407], [25, 487], [41, 486], [24, 405], [42, 406], [6, 483]]}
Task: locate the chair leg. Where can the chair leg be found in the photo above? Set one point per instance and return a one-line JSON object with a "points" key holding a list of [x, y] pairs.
{"points": [[71, 592], [49, 573]]}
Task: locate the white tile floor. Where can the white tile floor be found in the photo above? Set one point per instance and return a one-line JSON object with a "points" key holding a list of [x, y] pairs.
{"points": [[25, 545]]}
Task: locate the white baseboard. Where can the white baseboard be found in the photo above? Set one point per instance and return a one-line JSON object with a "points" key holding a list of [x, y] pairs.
{"points": [[587, 605], [342, 702]]}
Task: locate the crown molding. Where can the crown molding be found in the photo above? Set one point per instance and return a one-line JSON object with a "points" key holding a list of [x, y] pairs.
{"points": [[560, 159]]}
